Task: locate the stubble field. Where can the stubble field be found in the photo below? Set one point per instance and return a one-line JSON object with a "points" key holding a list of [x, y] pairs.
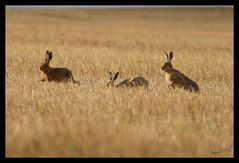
{"points": [[50, 119]]}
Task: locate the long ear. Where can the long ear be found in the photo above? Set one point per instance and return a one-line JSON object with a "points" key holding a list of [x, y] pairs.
{"points": [[110, 75], [170, 55], [48, 57], [166, 55], [116, 76]]}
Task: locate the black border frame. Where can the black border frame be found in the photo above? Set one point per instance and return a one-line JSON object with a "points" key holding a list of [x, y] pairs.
{"points": [[2, 76], [5, 3]]}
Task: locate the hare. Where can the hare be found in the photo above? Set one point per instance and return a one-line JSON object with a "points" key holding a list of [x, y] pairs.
{"points": [[131, 82], [55, 74], [177, 79]]}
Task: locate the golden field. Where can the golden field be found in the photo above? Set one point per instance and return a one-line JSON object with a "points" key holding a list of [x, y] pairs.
{"points": [[51, 119]]}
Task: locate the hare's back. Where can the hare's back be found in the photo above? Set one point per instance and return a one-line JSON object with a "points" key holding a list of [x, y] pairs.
{"points": [[139, 81], [62, 70], [185, 81], [123, 83], [178, 77], [60, 74]]}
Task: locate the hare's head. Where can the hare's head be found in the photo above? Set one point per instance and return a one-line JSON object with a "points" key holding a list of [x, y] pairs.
{"points": [[112, 79], [48, 58], [167, 67]]}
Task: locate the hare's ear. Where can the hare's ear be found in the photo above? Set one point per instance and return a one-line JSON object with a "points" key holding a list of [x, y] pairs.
{"points": [[110, 75], [50, 55], [46, 59], [116, 76], [170, 55], [166, 55]]}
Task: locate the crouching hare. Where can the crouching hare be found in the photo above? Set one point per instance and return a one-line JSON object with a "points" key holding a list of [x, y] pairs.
{"points": [[177, 79], [131, 82], [55, 74]]}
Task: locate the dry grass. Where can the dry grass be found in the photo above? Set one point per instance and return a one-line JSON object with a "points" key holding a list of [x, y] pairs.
{"points": [[49, 119]]}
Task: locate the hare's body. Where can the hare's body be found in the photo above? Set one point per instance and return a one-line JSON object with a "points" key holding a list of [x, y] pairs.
{"points": [[131, 82], [177, 79], [134, 82], [55, 74]]}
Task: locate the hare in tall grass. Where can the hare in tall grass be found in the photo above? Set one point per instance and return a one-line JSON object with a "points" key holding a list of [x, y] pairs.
{"points": [[131, 82], [55, 74], [177, 79]]}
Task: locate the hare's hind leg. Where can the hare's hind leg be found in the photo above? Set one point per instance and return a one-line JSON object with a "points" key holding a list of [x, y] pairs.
{"points": [[194, 89], [191, 88], [146, 87], [68, 77], [71, 78], [65, 80], [171, 85]]}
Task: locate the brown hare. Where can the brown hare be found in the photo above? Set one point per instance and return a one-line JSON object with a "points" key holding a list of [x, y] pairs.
{"points": [[131, 82], [55, 74], [177, 79]]}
